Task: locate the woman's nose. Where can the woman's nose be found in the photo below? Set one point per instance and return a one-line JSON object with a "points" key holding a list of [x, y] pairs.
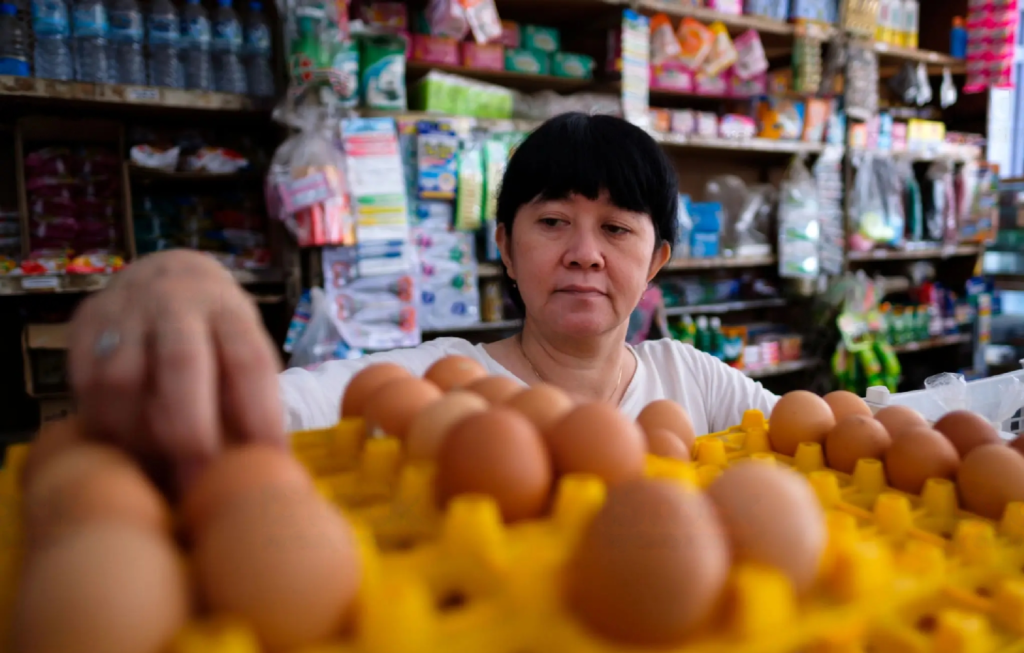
{"points": [[584, 251]]}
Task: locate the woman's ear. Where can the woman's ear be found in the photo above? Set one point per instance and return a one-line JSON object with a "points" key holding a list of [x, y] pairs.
{"points": [[661, 256], [504, 241]]}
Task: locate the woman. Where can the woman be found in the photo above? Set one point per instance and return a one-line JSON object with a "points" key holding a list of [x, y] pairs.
{"points": [[587, 216]]}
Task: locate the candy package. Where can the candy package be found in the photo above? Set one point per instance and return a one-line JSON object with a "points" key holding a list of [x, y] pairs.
{"points": [[723, 53], [664, 44], [306, 187], [695, 42]]}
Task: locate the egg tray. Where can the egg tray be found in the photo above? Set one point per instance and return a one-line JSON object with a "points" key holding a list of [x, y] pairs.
{"points": [[900, 574]]}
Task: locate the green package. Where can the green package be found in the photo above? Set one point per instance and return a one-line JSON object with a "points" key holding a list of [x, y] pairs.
{"points": [[382, 64], [495, 160], [575, 66], [469, 203]]}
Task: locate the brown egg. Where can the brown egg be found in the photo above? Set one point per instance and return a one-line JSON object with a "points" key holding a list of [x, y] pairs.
{"points": [[897, 419], [53, 438], [665, 443], [597, 439], [108, 588], [916, 455], [394, 405], [429, 428], [365, 384], [667, 414], [454, 372], [844, 404], [1018, 444], [542, 404], [236, 473], [496, 389], [991, 476], [853, 438], [799, 416], [91, 482], [650, 567], [285, 562], [772, 517], [498, 453], [967, 430]]}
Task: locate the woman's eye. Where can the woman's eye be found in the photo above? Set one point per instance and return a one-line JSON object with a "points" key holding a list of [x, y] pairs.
{"points": [[616, 230], [550, 222]]}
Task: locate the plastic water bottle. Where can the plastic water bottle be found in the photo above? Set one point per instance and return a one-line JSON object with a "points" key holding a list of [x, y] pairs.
{"points": [[13, 44], [89, 28], [257, 53], [126, 36], [228, 74], [164, 41], [195, 46], [53, 50]]}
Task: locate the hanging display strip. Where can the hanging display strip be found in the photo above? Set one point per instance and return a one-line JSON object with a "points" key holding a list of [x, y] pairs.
{"points": [[636, 55], [376, 179]]}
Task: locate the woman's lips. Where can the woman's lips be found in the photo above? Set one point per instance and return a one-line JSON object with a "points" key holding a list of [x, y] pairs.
{"points": [[581, 291]]}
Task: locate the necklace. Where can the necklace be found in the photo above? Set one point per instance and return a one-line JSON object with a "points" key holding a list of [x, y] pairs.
{"points": [[533, 368]]}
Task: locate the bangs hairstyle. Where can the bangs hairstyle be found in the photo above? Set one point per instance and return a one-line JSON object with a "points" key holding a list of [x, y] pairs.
{"points": [[580, 154]]}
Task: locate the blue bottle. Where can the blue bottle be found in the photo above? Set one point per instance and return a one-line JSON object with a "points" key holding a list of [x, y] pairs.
{"points": [[958, 39], [53, 48], [13, 44]]}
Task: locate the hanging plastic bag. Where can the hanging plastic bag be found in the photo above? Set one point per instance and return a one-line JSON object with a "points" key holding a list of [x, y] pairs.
{"points": [[947, 91], [799, 226], [868, 208], [306, 186], [940, 202], [319, 341]]}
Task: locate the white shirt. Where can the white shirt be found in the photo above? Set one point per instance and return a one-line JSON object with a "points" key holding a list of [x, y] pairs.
{"points": [[714, 394]]}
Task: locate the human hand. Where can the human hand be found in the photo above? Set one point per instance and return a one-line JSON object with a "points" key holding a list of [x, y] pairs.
{"points": [[172, 361]]}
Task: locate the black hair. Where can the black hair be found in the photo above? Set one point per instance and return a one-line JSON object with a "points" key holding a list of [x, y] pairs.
{"points": [[580, 154]]}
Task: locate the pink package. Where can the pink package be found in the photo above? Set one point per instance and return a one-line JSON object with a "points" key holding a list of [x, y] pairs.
{"points": [[746, 88], [490, 56], [751, 59], [672, 76], [435, 50], [707, 124], [736, 126], [684, 122], [510, 37], [717, 86], [734, 7]]}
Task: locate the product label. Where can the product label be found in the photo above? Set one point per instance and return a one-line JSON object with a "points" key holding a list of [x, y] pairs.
{"points": [[257, 40], [164, 30], [90, 21], [126, 26], [14, 67], [196, 31], [304, 192], [227, 36], [49, 17]]}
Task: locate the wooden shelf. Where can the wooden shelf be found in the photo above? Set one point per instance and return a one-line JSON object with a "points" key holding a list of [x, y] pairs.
{"points": [[959, 153], [734, 22], [121, 94], [787, 367], [83, 283], [923, 254], [719, 262], [914, 55], [726, 307], [752, 145], [933, 343], [517, 80]]}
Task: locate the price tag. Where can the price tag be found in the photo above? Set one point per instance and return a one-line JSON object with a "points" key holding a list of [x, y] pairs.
{"points": [[143, 94], [40, 283]]}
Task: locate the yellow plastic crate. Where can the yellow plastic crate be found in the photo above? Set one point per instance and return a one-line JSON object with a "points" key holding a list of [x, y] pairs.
{"points": [[901, 574]]}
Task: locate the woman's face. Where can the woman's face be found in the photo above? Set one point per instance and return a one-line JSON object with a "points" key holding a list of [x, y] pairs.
{"points": [[581, 265]]}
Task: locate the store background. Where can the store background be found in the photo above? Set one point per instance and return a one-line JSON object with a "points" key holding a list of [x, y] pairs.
{"points": [[91, 167]]}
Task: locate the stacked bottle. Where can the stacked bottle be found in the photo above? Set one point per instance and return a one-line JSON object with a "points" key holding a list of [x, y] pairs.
{"points": [[126, 37], [164, 33], [228, 74], [53, 49], [259, 76], [195, 45], [13, 44], [89, 27]]}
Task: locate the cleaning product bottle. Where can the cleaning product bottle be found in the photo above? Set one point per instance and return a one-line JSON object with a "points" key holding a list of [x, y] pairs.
{"points": [[958, 38], [687, 331], [702, 337], [716, 339], [911, 25]]}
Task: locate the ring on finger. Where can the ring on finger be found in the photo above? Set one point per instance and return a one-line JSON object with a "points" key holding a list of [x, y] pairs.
{"points": [[107, 343]]}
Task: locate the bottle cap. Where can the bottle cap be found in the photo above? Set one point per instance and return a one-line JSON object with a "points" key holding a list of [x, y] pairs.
{"points": [[256, 6], [958, 21], [7, 9]]}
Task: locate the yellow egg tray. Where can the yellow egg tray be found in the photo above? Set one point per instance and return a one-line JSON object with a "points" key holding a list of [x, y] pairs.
{"points": [[901, 573]]}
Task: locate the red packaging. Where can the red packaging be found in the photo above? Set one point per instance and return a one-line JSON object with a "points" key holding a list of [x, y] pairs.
{"points": [[490, 56], [435, 50], [510, 37], [672, 76]]}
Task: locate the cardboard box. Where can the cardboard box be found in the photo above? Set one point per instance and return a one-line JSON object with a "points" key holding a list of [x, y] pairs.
{"points": [[44, 350]]}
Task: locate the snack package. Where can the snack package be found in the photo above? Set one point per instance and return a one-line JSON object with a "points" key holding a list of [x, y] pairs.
{"points": [[751, 59], [484, 22], [306, 186], [780, 119], [664, 44], [469, 206], [435, 50], [695, 43], [447, 18], [672, 76], [723, 53]]}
